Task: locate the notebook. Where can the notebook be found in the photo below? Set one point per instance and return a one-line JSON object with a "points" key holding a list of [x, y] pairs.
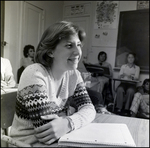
{"points": [[99, 134]]}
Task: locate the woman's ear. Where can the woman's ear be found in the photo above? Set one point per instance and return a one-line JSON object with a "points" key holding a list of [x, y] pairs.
{"points": [[50, 54]]}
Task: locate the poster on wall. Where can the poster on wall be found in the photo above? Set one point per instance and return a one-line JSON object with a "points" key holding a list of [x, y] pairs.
{"points": [[106, 15], [142, 4]]}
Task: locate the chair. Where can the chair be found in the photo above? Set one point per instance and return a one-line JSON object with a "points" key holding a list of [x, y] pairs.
{"points": [[115, 96], [19, 72], [8, 102], [107, 90]]}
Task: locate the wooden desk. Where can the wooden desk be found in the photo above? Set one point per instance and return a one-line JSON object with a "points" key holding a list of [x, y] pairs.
{"points": [[5, 91], [139, 128], [8, 100], [125, 81]]}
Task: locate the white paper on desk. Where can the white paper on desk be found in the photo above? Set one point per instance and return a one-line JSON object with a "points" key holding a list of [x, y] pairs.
{"points": [[99, 134]]}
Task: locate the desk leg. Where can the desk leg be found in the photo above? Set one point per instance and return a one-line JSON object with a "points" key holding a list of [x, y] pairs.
{"points": [[115, 96]]}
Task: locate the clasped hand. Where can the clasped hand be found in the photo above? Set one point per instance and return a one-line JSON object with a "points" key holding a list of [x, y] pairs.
{"points": [[127, 76], [53, 130]]}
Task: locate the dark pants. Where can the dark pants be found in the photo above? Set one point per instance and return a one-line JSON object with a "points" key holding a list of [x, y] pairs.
{"points": [[125, 93], [96, 97]]}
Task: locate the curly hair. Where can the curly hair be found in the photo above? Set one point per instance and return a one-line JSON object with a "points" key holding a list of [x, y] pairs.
{"points": [[26, 50], [51, 38]]}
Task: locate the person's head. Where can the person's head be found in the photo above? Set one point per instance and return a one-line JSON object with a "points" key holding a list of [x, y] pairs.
{"points": [[102, 56], [131, 58], [146, 84], [60, 45], [29, 51]]}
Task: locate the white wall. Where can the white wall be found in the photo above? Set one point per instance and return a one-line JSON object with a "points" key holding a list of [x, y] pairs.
{"points": [[13, 29], [11, 33]]}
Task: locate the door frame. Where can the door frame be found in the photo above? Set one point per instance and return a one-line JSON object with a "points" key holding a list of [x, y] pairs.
{"points": [[23, 22], [2, 27]]}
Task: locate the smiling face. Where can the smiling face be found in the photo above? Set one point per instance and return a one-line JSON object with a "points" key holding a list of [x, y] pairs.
{"points": [[31, 53], [67, 53]]}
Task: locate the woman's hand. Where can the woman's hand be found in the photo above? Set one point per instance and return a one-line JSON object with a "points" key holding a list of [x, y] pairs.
{"points": [[50, 132], [122, 75]]}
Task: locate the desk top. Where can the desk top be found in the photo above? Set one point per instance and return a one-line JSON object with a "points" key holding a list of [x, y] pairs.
{"points": [[127, 81], [8, 90], [139, 128]]}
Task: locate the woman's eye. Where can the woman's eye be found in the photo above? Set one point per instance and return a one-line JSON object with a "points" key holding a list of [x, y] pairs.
{"points": [[80, 45], [69, 46]]}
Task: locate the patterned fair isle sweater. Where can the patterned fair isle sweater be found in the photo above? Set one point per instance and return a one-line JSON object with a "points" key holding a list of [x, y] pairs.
{"points": [[36, 97]]}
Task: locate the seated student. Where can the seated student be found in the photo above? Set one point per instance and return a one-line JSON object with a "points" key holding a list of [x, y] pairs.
{"points": [[140, 103], [7, 77], [42, 112], [102, 57], [125, 91], [28, 53], [28, 59]]}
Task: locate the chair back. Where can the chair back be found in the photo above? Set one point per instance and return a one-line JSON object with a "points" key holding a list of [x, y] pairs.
{"points": [[19, 72], [8, 102]]}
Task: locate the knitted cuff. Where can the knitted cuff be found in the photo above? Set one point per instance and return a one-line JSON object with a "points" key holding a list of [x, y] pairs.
{"points": [[71, 123]]}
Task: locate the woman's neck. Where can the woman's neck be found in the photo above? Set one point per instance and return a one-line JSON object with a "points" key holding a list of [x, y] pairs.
{"points": [[130, 64], [57, 74], [101, 62]]}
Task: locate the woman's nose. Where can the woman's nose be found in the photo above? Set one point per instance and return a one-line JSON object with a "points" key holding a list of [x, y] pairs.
{"points": [[77, 50]]}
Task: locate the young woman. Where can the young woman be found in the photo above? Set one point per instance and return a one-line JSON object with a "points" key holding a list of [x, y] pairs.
{"points": [[125, 91], [102, 79], [140, 103], [51, 89]]}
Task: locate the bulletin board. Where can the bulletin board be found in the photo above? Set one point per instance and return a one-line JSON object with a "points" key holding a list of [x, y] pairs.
{"points": [[133, 36]]}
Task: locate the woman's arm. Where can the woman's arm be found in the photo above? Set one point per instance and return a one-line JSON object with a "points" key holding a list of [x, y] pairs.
{"points": [[33, 102], [136, 76], [86, 111], [121, 73]]}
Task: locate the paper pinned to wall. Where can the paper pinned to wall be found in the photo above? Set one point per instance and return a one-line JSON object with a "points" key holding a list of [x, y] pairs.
{"points": [[106, 14]]}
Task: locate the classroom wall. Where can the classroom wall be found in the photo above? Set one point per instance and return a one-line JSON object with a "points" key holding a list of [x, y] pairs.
{"points": [[13, 26], [110, 50]]}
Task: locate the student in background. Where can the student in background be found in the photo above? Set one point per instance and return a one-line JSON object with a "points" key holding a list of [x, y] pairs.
{"points": [[28, 53], [43, 112], [102, 57], [140, 103], [27, 60], [7, 77], [125, 91]]}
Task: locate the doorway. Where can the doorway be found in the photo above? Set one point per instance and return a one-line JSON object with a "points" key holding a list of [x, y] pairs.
{"points": [[33, 24]]}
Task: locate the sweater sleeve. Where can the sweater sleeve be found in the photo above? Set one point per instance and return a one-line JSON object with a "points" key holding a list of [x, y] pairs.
{"points": [[121, 70], [32, 98], [86, 111], [137, 72]]}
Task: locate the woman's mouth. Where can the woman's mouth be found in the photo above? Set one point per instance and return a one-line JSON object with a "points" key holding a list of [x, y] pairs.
{"points": [[74, 60]]}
